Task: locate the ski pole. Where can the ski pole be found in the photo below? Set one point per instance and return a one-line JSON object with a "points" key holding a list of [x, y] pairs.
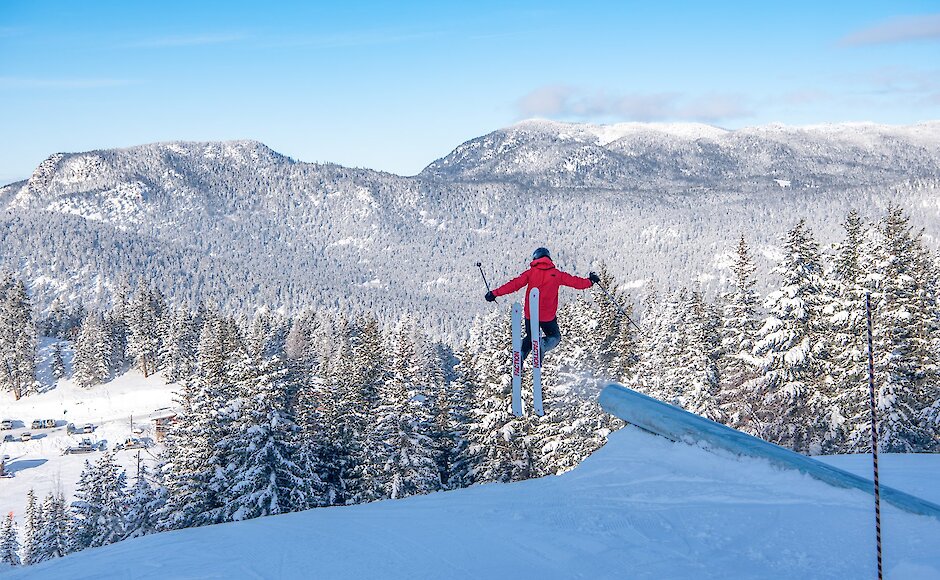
{"points": [[480, 266], [610, 296]]}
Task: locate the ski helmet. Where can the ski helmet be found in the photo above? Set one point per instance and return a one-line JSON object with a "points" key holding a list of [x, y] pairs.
{"points": [[541, 253]]}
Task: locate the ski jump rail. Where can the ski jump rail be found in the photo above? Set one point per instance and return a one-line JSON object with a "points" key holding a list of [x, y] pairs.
{"points": [[676, 424]]}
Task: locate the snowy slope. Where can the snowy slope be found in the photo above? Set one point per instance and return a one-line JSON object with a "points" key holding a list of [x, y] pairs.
{"points": [[641, 507]]}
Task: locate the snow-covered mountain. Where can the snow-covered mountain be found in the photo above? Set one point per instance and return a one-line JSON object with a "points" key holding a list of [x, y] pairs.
{"points": [[641, 507], [663, 157], [242, 226]]}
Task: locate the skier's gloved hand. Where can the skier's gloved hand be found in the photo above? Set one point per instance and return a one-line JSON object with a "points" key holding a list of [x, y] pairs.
{"points": [[490, 297], [594, 278]]}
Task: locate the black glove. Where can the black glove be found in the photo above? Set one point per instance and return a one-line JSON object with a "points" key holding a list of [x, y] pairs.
{"points": [[594, 278], [489, 297]]}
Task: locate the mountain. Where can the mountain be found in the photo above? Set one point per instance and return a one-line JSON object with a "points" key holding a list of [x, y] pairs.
{"points": [[640, 507], [242, 226], [661, 157]]}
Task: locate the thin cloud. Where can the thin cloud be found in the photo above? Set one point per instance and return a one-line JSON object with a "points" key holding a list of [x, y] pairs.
{"points": [[184, 41], [905, 29], [566, 102], [37, 83], [349, 40]]}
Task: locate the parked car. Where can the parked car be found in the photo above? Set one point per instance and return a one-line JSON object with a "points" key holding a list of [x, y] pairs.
{"points": [[48, 423], [131, 443], [26, 436], [6, 424], [37, 424], [74, 429], [86, 446]]}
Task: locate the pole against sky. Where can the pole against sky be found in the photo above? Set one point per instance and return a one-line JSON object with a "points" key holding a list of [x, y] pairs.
{"points": [[394, 86]]}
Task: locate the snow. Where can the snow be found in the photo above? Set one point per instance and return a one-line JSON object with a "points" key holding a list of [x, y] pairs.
{"points": [[641, 507], [605, 134], [39, 463]]}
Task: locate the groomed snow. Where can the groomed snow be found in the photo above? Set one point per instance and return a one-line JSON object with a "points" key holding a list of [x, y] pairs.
{"points": [[641, 507]]}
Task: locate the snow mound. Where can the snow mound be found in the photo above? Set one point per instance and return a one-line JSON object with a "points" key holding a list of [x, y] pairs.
{"points": [[641, 507]]}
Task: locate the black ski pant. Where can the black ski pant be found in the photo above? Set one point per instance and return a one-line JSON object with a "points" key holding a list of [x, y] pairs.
{"points": [[551, 340]]}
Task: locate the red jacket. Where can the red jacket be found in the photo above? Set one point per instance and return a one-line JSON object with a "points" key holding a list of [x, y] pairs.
{"points": [[547, 278]]}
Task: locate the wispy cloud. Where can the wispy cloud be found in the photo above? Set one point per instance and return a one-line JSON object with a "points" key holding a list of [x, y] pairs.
{"points": [[897, 30], [71, 83], [565, 101], [187, 40], [354, 39]]}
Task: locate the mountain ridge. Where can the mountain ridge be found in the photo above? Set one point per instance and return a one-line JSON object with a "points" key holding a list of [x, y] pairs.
{"points": [[243, 226]]}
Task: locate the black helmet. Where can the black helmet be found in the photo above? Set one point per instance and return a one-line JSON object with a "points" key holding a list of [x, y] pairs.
{"points": [[541, 253]]}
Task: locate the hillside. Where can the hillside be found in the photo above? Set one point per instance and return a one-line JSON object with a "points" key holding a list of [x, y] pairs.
{"points": [[242, 226], [641, 507]]}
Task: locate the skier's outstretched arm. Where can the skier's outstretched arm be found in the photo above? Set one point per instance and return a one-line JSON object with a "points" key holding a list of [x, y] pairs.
{"points": [[576, 282], [515, 284]]}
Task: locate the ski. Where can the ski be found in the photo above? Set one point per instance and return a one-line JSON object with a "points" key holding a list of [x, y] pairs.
{"points": [[536, 351], [517, 359]]}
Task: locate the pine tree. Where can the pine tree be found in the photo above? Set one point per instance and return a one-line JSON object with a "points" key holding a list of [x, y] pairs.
{"points": [[700, 358], [143, 503], [9, 543], [58, 364], [905, 360], [92, 353], [17, 339], [99, 507], [55, 534], [32, 530], [404, 417], [792, 343], [144, 320], [738, 334], [847, 418], [497, 441], [178, 354], [261, 474]]}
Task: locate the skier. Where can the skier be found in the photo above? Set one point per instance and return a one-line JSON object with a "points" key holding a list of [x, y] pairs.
{"points": [[543, 274]]}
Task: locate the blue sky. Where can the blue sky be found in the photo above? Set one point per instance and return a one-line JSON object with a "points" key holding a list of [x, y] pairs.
{"points": [[394, 86]]}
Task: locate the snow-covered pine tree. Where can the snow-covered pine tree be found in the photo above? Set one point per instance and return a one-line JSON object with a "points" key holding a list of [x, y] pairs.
{"points": [[58, 363], [497, 442], [738, 334], [92, 353], [55, 534], [404, 417], [261, 475], [700, 359], [342, 450], [463, 393], [187, 472], [32, 529], [178, 352], [847, 421], [17, 338], [657, 374], [99, 509], [9, 543], [143, 503], [792, 342], [905, 360], [144, 319], [368, 364]]}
